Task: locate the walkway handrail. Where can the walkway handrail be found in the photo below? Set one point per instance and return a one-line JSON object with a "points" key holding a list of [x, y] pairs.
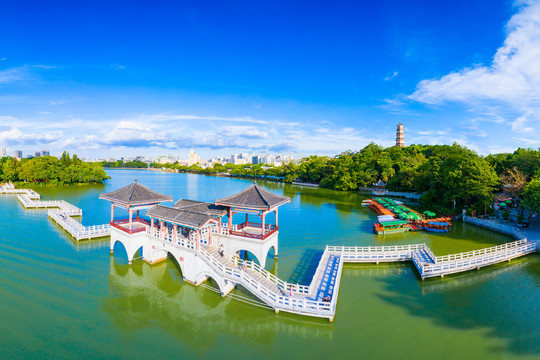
{"points": [[273, 298], [373, 249], [509, 230], [318, 272], [481, 260], [284, 285], [480, 252]]}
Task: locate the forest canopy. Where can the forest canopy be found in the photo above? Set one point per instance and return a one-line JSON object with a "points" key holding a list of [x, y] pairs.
{"points": [[51, 170]]}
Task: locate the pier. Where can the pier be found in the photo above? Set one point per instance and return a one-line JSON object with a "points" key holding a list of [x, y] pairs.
{"points": [[62, 213], [205, 247]]}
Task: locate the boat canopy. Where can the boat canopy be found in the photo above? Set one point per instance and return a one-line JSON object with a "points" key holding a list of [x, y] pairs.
{"points": [[391, 223], [438, 223]]}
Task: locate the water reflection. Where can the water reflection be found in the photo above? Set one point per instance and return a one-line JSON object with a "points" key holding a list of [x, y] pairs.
{"points": [[141, 296], [497, 297]]}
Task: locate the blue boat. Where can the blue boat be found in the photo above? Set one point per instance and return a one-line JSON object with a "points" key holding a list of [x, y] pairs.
{"points": [[434, 226]]}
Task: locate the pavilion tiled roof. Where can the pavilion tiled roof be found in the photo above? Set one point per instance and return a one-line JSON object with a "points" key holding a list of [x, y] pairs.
{"points": [[201, 207], [178, 216], [254, 197], [134, 194]]}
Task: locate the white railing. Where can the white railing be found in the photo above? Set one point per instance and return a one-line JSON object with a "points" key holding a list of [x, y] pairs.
{"points": [[480, 252], [65, 207], [462, 264], [273, 298], [78, 230], [367, 253], [319, 271], [505, 229], [297, 288], [168, 238]]}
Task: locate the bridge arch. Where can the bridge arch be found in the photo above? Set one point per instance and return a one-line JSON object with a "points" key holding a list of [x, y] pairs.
{"points": [[177, 262], [251, 255]]}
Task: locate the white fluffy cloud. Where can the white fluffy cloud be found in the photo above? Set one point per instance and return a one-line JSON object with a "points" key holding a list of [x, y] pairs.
{"points": [[511, 83]]}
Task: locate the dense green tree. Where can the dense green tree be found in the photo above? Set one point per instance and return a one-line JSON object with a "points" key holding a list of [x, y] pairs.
{"points": [[531, 195]]}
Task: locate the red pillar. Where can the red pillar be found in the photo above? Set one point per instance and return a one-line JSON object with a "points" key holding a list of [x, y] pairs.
{"points": [[151, 226], [198, 234], [137, 215], [175, 229], [161, 233], [219, 225], [112, 212], [246, 218], [230, 219], [130, 211], [263, 216], [276, 217]]}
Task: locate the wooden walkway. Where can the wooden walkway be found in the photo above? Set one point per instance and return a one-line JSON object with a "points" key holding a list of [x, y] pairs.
{"points": [[62, 214]]}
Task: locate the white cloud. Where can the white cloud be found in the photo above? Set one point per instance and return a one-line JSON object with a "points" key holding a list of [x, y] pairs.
{"points": [[509, 87], [390, 77]]}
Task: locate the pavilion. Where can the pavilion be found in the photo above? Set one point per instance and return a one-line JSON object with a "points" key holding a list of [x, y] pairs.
{"points": [[133, 197], [253, 200], [188, 222]]}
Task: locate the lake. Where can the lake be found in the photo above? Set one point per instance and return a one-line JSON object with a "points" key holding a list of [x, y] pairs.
{"points": [[67, 300]]}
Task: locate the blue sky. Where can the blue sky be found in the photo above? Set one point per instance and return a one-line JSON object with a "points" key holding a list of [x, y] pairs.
{"points": [[125, 78]]}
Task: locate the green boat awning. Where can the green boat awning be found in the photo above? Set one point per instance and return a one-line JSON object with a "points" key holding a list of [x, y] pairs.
{"points": [[393, 223]]}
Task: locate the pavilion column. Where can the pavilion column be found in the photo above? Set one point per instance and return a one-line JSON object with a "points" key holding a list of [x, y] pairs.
{"points": [[276, 217], [112, 212], [219, 225], [263, 216], [130, 215], [175, 229], [160, 229], [247, 218], [198, 234], [230, 220], [151, 226], [137, 215], [209, 237]]}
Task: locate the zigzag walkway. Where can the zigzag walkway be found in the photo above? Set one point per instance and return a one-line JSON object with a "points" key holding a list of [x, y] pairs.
{"points": [[429, 265], [62, 215]]}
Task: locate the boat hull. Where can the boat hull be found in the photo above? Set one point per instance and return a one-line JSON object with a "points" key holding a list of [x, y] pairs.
{"points": [[389, 231], [436, 230]]}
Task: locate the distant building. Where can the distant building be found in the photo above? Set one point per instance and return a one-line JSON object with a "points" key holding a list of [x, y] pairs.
{"points": [[193, 158], [400, 137], [2, 151], [18, 154], [37, 154], [45, 153]]}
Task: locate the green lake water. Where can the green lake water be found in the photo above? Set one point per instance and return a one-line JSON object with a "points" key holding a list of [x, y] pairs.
{"points": [[66, 300]]}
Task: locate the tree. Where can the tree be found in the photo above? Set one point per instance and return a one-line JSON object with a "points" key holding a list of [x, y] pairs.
{"points": [[514, 181], [531, 195]]}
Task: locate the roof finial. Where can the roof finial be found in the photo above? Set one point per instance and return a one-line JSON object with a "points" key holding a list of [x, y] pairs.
{"points": [[135, 180], [255, 182]]}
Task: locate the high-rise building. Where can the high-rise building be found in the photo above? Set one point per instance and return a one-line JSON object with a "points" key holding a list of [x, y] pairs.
{"points": [[18, 154], [400, 137], [45, 153], [37, 154], [193, 158], [2, 151]]}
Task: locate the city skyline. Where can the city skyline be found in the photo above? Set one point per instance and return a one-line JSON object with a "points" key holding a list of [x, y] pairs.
{"points": [[307, 78]]}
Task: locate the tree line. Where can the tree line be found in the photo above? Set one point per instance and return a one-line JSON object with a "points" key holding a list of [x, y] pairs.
{"points": [[449, 176], [51, 170]]}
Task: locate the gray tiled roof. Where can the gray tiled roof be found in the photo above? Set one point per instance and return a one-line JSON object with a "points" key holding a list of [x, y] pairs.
{"points": [[201, 207], [254, 197], [178, 216], [135, 193]]}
